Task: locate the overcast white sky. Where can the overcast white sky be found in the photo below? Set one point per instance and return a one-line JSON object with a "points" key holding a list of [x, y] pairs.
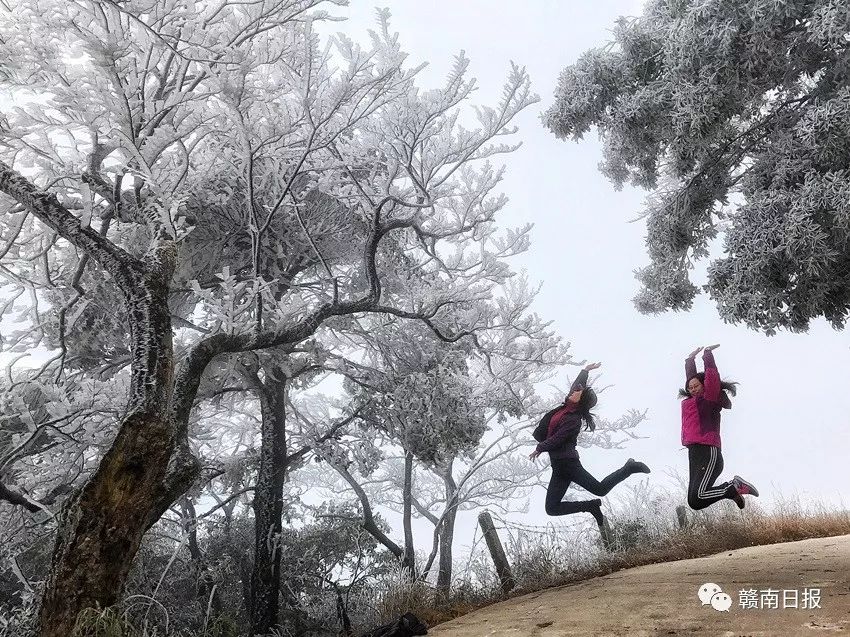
{"points": [[788, 430]]}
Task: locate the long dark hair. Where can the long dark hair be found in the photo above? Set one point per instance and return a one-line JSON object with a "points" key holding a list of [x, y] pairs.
{"points": [[725, 386], [587, 402]]}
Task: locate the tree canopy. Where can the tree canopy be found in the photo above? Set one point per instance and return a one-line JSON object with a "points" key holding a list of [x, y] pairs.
{"points": [[735, 116]]}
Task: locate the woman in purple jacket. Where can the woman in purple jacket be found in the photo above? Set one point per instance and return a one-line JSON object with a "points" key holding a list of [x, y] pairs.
{"points": [[705, 395], [563, 429]]}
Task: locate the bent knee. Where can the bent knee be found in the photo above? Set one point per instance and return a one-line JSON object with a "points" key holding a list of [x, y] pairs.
{"points": [[694, 502]]}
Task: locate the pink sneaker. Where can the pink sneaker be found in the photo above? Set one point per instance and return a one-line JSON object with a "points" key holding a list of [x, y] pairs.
{"points": [[743, 487]]}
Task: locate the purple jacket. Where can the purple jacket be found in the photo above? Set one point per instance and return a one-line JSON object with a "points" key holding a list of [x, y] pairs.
{"points": [[561, 443], [701, 414]]}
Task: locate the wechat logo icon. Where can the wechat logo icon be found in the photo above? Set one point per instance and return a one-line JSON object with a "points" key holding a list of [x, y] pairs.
{"points": [[712, 594]]}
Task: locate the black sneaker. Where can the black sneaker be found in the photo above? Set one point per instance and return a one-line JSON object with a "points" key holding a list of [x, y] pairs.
{"points": [[634, 466], [739, 500], [594, 507]]}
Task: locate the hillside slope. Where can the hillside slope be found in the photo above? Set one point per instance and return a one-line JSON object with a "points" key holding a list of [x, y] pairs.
{"points": [[662, 599]]}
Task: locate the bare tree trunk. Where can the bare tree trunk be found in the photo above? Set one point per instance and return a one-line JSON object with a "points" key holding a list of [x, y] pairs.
{"points": [[368, 523], [268, 503], [409, 561], [102, 526], [208, 595], [444, 576], [240, 558]]}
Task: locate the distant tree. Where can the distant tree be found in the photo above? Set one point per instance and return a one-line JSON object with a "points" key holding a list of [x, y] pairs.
{"points": [[736, 115], [194, 570], [431, 406]]}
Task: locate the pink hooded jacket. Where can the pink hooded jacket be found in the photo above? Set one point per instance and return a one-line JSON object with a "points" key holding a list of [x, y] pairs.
{"points": [[701, 414]]}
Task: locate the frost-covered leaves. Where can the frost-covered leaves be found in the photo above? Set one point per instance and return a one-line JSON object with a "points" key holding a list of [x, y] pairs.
{"points": [[50, 439], [789, 246], [430, 396], [430, 407], [614, 433], [265, 152], [48, 431], [795, 242], [225, 304], [704, 102]]}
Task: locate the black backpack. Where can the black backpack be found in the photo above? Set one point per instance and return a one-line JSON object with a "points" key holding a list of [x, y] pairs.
{"points": [[541, 431]]}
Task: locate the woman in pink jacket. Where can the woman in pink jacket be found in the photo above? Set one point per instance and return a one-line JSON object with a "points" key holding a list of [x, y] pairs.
{"points": [[705, 395]]}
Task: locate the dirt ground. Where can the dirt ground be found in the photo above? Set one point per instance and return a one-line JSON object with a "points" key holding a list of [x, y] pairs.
{"points": [[662, 599]]}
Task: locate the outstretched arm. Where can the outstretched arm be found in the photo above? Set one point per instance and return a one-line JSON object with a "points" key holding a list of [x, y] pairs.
{"points": [[581, 380], [712, 376], [691, 366]]}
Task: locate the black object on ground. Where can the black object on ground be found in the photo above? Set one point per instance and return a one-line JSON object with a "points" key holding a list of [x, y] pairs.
{"points": [[407, 625]]}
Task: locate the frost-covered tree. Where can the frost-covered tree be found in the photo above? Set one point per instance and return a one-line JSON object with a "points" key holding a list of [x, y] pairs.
{"points": [[736, 116], [144, 144], [432, 408], [428, 405]]}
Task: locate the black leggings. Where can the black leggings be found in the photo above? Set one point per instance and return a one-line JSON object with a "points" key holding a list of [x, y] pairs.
{"points": [[565, 471], [706, 463]]}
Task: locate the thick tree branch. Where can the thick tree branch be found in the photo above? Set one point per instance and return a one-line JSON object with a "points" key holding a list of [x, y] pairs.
{"points": [[46, 207], [18, 499], [330, 433], [368, 521], [188, 376], [425, 513]]}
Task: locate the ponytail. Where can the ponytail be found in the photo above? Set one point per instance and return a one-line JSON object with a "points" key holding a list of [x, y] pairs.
{"points": [[585, 404]]}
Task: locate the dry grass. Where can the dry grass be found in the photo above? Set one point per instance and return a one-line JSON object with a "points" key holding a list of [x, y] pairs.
{"points": [[640, 538], [398, 595], [713, 537]]}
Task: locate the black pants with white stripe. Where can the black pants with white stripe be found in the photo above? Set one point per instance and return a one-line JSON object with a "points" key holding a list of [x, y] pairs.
{"points": [[706, 463]]}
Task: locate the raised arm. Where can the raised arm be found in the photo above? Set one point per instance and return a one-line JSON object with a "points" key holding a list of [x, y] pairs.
{"points": [[711, 387], [581, 380], [691, 366]]}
